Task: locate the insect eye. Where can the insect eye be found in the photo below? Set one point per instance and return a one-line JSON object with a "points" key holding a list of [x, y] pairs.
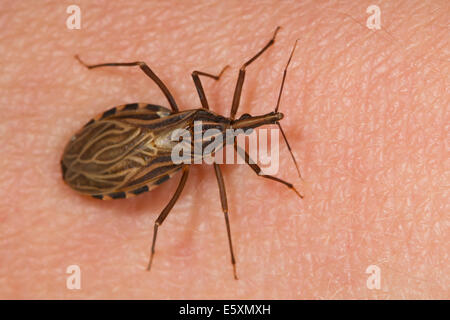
{"points": [[245, 116]]}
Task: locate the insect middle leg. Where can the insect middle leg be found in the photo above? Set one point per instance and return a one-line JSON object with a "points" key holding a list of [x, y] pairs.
{"points": [[240, 81], [166, 211], [258, 170], [223, 200], [217, 170], [144, 67], [198, 84]]}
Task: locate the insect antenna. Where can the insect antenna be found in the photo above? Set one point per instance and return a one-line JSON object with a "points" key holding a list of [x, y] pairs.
{"points": [[278, 105]]}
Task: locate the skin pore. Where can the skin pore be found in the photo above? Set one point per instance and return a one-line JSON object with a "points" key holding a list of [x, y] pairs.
{"points": [[365, 113]]}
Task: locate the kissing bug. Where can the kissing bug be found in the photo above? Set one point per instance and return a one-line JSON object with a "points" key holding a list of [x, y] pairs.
{"points": [[126, 150]]}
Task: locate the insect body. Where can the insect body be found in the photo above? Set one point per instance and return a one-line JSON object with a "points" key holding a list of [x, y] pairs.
{"points": [[127, 150]]}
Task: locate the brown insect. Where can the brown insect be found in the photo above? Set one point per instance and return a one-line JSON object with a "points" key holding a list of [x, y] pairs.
{"points": [[126, 150]]}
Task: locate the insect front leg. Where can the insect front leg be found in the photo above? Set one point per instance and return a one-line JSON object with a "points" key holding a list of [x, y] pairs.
{"points": [[258, 170], [240, 81], [223, 200], [166, 211], [198, 84], [144, 67]]}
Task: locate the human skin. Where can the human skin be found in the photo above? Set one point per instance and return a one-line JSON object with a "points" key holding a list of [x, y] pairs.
{"points": [[366, 114]]}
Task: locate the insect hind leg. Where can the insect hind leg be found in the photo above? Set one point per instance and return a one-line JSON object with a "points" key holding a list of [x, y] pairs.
{"points": [[163, 215], [145, 68]]}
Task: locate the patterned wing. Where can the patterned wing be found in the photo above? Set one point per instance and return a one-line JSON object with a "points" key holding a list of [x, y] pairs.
{"points": [[119, 153]]}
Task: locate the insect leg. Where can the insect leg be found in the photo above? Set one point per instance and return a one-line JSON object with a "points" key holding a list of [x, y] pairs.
{"points": [[223, 200], [240, 81], [166, 211], [198, 84], [144, 68], [258, 170]]}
